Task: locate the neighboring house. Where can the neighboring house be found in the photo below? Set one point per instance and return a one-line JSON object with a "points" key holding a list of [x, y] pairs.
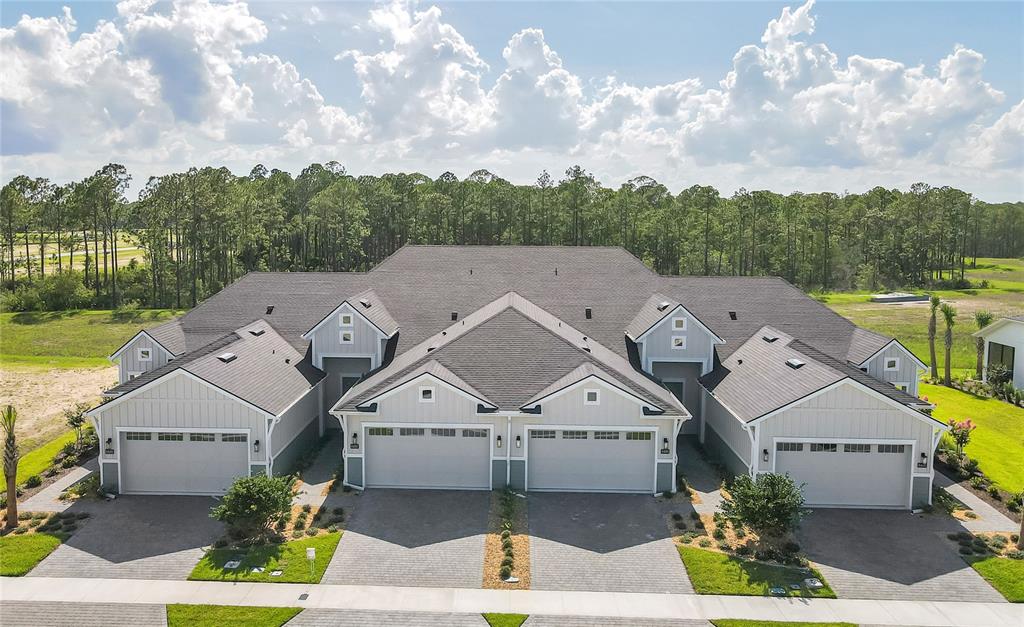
{"points": [[1004, 344], [539, 368]]}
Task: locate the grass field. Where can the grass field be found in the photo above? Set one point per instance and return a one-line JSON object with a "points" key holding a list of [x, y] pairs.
{"points": [[20, 553], [998, 441], [37, 460], [290, 558], [718, 573], [1006, 575], [221, 615]]}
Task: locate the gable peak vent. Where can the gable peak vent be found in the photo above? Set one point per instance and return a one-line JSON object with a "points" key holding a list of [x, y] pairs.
{"points": [[270, 309], [257, 332], [663, 305], [227, 357], [794, 363]]}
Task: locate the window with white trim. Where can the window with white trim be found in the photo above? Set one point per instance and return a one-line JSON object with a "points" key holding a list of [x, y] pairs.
{"points": [[856, 448], [427, 394], [591, 397], [234, 437], [411, 431], [789, 447], [606, 435], [574, 435], [902, 387], [202, 437], [892, 364], [145, 354], [346, 337], [638, 435], [133, 375], [679, 342], [381, 431], [170, 437], [474, 433], [542, 434], [818, 447], [443, 433], [144, 436], [678, 324], [345, 320], [892, 448]]}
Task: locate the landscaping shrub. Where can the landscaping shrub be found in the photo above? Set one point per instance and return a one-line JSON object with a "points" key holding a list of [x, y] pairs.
{"points": [[66, 515], [506, 561], [1015, 538], [505, 534], [311, 531], [1016, 555], [338, 511], [970, 465], [82, 515], [771, 504], [694, 516], [69, 528], [993, 491], [220, 543], [20, 529], [704, 543], [24, 515], [743, 549], [506, 544], [724, 546], [306, 508], [966, 550], [33, 481], [718, 534], [681, 525], [791, 547], [508, 552], [766, 554], [296, 534], [332, 528], [35, 522], [978, 483], [953, 536], [251, 504], [677, 516], [299, 525], [740, 533], [667, 494], [505, 572]]}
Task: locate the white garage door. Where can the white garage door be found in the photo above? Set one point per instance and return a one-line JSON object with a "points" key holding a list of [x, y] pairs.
{"points": [[175, 462], [590, 461], [848, 474], [417, 457]]}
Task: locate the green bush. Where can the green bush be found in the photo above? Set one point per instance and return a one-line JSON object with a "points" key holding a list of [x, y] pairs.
{"points": [[507, 561], [993, 491], [718, 534], [505, 534], [966, 550], [33, 481], [311, 531], [505, 572], [681, 525], [704, 543], [252, 504], [978, 483], [677, 516], [770, 505], [300, 524]]}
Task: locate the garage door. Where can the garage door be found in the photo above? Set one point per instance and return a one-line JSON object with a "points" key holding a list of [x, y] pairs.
{"points": [[175, 462], [590, 461], [416, 457], [848, 474]]}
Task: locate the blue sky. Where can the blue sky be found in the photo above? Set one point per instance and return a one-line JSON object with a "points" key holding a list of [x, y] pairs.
{"points": [[622, 88]]}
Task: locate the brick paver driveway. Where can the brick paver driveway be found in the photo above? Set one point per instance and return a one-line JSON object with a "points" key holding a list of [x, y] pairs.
{"points": [[413, 538], [64, 614], [876, 554], [603, 543], [136, 537]]}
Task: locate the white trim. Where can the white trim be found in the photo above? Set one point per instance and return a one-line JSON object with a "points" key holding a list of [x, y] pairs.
{"points": [[995, 325], [118, 430], [116, 353], [681, 346], [398, 388], [547, 427], [351, 336], [624, 393], [716, 339], [897, 384], [351, 309], [351, 319], [597, 396], [134, 374], [373, 357], [140, 349], [920, 364], [430, 398], [677, 319], [432, 425], [894, 368]]}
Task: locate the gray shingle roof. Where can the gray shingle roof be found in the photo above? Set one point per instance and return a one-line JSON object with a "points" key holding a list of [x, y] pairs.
{"points": [[266, 371], [169, 335]]}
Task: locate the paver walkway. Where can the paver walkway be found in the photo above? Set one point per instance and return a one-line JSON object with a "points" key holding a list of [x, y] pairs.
{"points": [[700, 476], [533, 602], [362, 618], [66, 614], [611, 621], [47, 499], [989, 518], [316, 480]]}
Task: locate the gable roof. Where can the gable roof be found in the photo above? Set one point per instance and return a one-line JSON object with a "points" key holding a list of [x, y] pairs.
{"points": [[920, 364], [265, 372], [657, 308], [167, 336], [998, 324], [368, 306], [431, 369]]}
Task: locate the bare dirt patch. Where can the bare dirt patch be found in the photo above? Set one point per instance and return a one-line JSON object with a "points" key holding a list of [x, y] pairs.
{"points": [[493, 552], [40, 395]]}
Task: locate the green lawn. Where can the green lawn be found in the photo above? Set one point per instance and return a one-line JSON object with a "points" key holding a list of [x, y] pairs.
{"points": [[221, 615], [735, 622], [505, 620], [36, 461], [997, 443], [718, 573], [1005, 575], [290, 558], [20, 553], [69, 339]]}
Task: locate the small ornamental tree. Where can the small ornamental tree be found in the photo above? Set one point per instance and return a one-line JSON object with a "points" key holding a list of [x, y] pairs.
{"points": [[960, 431], [75, 418], [252, 504], [771, 505]]}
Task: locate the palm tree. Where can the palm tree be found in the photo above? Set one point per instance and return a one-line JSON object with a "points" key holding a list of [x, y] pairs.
{"points": [[949, 315], [933, 303], [982, 319], [7, 422]]}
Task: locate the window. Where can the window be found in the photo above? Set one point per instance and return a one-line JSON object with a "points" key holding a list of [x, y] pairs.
{"points": [[170, 437], [591, 397], [542, 435], [892, 448], [823, 448], [606, 435], [381, 431], [145, 354], [346, 337], [574, 435], [138, 435], [902, 387], [638, 435], [892, 364], [789, 447], [427, 394], [410, 431], [678, 324], [132, 375], [201, 437], [856, 448], [233, 437], [443, 433], [474, 433], [345, 320], [1001, 354], [679, 342]]}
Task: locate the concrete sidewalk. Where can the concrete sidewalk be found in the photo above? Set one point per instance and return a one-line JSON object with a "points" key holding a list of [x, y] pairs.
{"points": [[551, 603]]}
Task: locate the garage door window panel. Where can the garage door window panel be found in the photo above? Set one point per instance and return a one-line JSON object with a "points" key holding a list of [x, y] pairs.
{"points": [[818, 447], [856, 448], [892, 448], [574, 435], [138, 436], [170, 437], [644, 436], [233, 437], [789, 447], [542, 435], [442, 433], [406, 431], [474, 433], [202, 437], [606, 435], [381, 431]]}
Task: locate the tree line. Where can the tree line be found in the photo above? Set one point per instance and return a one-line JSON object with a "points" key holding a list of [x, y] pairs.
{"points": [[203, 228]]}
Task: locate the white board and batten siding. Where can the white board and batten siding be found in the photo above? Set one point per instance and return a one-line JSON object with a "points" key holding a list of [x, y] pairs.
{"points": [[1010, 333], [657, 343], [728, 429], [295, 420], [367, 340], [906, 367], [129, 362]]}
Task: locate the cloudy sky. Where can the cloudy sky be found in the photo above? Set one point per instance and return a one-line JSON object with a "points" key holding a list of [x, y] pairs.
{"points": [[827, 96]]}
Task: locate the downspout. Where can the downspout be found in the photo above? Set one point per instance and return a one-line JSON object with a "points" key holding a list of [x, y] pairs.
{"points": [[675, 452], [508, 454], [344, 445], [99, 438], [753, 450], [270, 434]]}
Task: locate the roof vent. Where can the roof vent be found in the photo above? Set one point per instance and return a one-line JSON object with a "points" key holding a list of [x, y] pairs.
{"points": [[663, 305], [732, 315], [257, 332], [364, 302], [430, 348], [455, 316], [270, 309], [794, 363], [227, 357], [769, 338], [588, 312]]}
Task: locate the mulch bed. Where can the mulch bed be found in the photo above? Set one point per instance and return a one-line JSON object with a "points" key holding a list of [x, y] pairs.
{"points": [[493, 553], [1000, 505]]}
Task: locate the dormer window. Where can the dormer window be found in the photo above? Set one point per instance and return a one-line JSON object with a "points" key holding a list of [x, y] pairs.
{"points": [[591, 397], [145, 354], [678, 324], [427, 394], [892, 364], [679, 342], [346, 337], [345, 320]]}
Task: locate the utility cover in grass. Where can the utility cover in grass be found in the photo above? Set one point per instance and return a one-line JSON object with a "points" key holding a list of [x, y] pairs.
{"points": [[261, 562], [718, 573]]}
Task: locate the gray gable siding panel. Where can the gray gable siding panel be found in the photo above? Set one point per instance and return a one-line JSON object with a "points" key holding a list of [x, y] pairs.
{"points": [[129, 358], [365, 339], [906, 373], [657, 344]]}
